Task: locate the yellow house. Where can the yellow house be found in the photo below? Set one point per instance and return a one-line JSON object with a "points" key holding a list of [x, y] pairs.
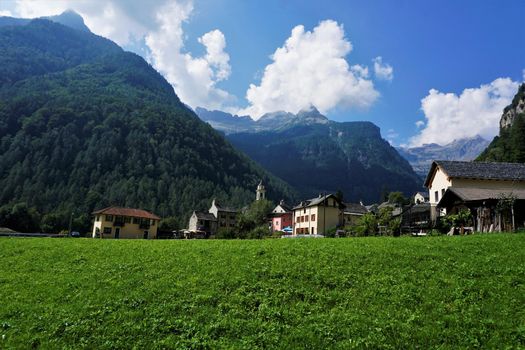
{"points": [[318, 215], [116, 222]]}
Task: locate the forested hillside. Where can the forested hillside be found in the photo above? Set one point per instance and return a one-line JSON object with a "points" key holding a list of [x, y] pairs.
{"points": [[85, 125], [509, 145]]}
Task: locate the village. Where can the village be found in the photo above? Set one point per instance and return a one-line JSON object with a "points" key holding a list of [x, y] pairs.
{"points": [[463, 197]]}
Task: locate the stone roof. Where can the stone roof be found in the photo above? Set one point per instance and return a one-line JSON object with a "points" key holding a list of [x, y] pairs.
{"points": [[283, 205], [224, 209], [355, 208], [478, 170], [118, 211], [478, 194], [315, 201], [205, 216], [419, 208]]}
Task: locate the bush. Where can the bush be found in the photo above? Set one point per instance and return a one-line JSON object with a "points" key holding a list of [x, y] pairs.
{"points": [[259, 232]]}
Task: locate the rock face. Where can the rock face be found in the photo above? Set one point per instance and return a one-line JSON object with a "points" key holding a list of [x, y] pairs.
{"points": [[315, 154], [510, 112], [463, 149], [509, 145]]}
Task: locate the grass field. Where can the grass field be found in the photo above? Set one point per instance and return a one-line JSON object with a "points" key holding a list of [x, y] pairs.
{"points": [[433, 292]]}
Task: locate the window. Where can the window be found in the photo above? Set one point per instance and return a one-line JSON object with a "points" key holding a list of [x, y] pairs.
{"points": [[298, 219], [109, 218], [442, 192], [97, 218], [436, 196], [297, 231], [304, 210], [302, 218], [152, 222], [232, 217], [107, 230], [313, 230], [306, 218], [313, 217], [127, 219], [136, 220]]}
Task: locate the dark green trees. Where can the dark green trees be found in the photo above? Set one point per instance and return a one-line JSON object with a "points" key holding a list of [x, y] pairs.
{"points": [[85, 125]]}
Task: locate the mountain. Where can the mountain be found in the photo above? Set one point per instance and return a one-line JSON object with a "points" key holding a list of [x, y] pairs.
{"points": [[84, 125], [463, 149], [68, 18], [317, 155], [509, 145]]}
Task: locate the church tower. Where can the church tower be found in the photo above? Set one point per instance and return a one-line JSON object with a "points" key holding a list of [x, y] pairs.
{"points": [[261, 192]]}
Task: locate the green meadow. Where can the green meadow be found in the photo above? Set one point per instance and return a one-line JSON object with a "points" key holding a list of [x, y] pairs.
{"points": [[390, 293]]}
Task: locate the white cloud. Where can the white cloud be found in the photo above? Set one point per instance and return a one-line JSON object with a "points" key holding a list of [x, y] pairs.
{"points": [[475, 111], [310, 69], [119, 20], [158, 23], [391, 136], [194, 78], [383, 71], [5, 13], [420, 124]]}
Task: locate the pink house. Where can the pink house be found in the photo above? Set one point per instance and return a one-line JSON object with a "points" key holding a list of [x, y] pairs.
{"points": [[282, 217]]}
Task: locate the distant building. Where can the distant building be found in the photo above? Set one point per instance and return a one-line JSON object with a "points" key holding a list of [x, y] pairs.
{"points": [[420, 197], [226, 217], [318, 215], [261, 192], [203, 222], [478, 187], [353, 213], [117, 222], [282, 216], [416, 217]]}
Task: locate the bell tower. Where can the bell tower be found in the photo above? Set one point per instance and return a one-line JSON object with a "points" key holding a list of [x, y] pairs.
{"points": [[261, 192]]}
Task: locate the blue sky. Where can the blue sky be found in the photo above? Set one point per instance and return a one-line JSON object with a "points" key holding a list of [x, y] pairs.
{"points": [[455, 64]]}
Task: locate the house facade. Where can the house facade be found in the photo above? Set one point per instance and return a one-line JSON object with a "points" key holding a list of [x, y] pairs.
{"points": [[477, 186], [281, 216], [420, 197], [226, 217], [117, 222], [318, 215], [203, 222]]}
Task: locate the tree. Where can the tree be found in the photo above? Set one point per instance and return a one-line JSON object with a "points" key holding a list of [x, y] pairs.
{"points": [[517, 138], [367, 225], [397, 198], [255, 217]]}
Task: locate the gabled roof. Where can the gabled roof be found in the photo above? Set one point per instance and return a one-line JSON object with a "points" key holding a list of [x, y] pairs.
{"points": [[316, 201], [355, 208], [221, 208], [205, 216], [283, 205], [423, 194], [478, 170], [118, 211]]}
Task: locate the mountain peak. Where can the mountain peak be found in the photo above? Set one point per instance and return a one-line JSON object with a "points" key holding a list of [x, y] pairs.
{"points": [[71, 19]]}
